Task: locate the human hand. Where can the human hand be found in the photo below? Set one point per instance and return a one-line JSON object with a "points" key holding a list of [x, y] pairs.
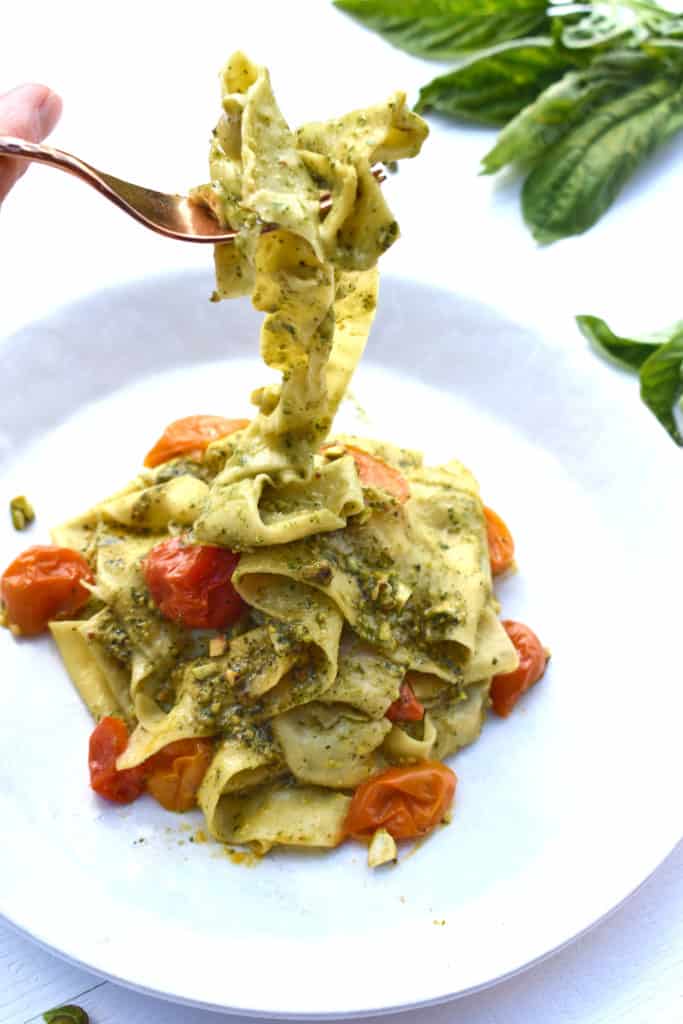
{"points": [[27, 112]]}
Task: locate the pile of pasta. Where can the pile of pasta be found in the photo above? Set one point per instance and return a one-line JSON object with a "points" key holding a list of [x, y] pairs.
{"points": [[348, 587], [296, 698]]}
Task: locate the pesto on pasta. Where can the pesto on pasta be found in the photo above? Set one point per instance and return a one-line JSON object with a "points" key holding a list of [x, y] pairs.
{"points": [[279, 620]]}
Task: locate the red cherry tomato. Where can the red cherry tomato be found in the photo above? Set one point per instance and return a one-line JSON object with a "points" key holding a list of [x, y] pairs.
{"points": [[507, 688], [373, 472], [407, 707], [408, 801], [190, 436], [501, 544], [176, 772], [45, 582], [108, 741], [192, 583]]}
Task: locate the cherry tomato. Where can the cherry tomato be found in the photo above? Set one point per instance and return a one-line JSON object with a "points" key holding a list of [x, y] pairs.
{"points": [[501, 544], [506, 689], [192, 583], [175, 773], [373, 472], [407, 707], [408, 801], [45, 582], [108, 741], [190, 436]]}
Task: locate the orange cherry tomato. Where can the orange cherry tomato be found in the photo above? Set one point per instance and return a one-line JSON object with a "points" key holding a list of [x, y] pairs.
{"points": [[192, 583], [501, 544], [506, 689], [44, 582], [373, 472], [190, 436], [406, 708], [175, 773], [108, 741], [408, 801]]}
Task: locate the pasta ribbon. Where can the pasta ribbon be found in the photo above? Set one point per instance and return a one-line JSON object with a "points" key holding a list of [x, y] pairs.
{"points": [[346, 586]]}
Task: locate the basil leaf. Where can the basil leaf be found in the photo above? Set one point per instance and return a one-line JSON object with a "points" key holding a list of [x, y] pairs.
{"points": [[563, 105], [658, 357], [579, 177], [446, 28], [661, 383], [626, 351], [493, 87], [600, 26], [66, 1015]]}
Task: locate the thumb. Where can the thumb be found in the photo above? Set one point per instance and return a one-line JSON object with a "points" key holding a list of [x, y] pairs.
{"points": [[29, 112]]}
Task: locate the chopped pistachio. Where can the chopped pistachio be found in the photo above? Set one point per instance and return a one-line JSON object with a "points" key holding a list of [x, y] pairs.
{"points": [[382, 848], [66, 1015], [320, 572], [21, 511]]}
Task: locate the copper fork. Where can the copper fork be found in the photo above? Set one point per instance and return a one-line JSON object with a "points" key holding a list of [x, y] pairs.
{"points": [[174, 216]]}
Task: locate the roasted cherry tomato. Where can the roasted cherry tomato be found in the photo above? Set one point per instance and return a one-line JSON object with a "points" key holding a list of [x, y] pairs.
{"points": [[372, 472], [45, 582], [506, 689], [175, 773], [108, 741], [501, 544], [192, 583], [408, 801], [190, 436], [406, 708]]}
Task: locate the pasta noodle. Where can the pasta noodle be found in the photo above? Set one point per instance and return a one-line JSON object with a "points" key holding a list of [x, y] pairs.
{"points": [[349, 586]]}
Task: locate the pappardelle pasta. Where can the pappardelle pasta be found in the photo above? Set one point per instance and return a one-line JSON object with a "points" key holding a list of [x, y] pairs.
{"points": [[289, 629]]}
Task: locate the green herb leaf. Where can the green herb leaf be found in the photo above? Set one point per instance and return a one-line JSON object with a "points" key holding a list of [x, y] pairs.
{"points": [[661, 383], [565, 104], [628, 352], [66, 1015], [600, 26], [658, 358], [493, 87], [582, 104], [446, 28], [579, 177]]}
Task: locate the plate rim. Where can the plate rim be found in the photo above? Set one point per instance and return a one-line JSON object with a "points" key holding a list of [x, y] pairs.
{"points": [[383, 1011]]}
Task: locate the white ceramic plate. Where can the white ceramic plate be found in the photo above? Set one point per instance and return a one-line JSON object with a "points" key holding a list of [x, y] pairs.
{"points": [[562, 810]]}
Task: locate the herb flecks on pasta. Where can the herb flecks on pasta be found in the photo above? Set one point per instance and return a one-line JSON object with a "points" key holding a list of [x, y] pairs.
{"points": [[287, 629], [316, 281]]}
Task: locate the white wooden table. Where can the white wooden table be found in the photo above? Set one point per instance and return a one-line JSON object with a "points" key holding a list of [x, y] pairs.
{"points": [[140, 94]]}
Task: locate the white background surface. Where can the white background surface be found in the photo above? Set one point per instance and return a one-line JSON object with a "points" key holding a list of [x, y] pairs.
{"points": [[140, 93]]}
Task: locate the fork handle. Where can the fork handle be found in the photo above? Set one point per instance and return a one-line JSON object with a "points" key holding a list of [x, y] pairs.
{"points": [[121, 193], [20, 149]]}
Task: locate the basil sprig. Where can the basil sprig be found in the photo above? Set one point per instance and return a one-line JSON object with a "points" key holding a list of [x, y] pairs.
{"points": [[658, 360], [584, 92]]}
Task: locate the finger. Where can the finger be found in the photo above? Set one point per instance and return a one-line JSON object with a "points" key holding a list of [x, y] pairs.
{"points": [[29, 112]]}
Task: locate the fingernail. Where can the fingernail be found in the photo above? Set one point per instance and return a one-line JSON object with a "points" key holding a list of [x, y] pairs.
{"points": [[48, 113]]}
